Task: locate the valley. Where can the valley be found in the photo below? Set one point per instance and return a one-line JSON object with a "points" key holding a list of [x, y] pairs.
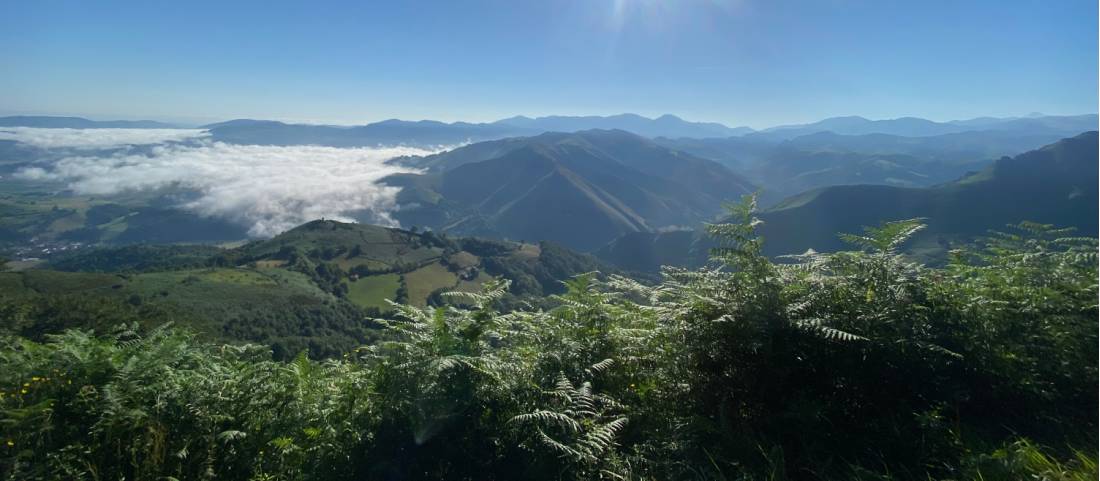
{"points": [[575, 240]]}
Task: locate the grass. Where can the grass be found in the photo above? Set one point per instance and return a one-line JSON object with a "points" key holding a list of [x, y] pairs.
{"points": [[209, 298], [238, 276], [527, 252], [113, 228], [381, 248], [204, 299], [347, 264], [53, 282], [22, 265], [463, 260], [474, 285], [67, 223], [424, 280], [11, 284], [373, 291]]}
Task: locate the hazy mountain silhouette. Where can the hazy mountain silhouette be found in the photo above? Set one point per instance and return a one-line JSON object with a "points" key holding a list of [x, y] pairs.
{"points": [[664, 126], [789, 166], [918, 127], [430, 132], [42, 121]]}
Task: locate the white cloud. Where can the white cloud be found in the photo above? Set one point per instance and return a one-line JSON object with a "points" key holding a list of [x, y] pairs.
{"points": [[267, 188], [88, 139]]}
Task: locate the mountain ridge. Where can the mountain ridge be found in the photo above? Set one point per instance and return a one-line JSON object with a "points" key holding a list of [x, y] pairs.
{"points": [[1055, 184], [586, 187], [47, 121]]}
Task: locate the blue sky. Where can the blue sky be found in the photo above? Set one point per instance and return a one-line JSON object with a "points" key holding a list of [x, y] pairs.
{"points": [[740, 62]]}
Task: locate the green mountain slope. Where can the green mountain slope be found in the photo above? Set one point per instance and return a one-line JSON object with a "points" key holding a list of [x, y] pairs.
{"points": [[314, 287], [424, 262], [1056, 184], [277, 307], [580, 189], [785, 167]]}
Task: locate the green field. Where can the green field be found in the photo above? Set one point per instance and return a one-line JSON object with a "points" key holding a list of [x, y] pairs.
{"points": [[463, 260], [473, 285], [373, 291], [424, 280]]}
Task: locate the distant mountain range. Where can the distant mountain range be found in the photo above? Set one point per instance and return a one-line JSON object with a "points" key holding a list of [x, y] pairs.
{"points": [[1056, 184], [664, 126], [918, 127], [430, 132], [388, 132], [581, 189], [786, 167], [41, 121]]}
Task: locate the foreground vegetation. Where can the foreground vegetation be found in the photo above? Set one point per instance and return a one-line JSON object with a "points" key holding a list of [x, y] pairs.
{"points": [[853, 365]]}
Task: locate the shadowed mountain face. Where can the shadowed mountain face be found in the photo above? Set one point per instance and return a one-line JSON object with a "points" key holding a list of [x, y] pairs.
{"points": [[580, 189], [1052, 185]]}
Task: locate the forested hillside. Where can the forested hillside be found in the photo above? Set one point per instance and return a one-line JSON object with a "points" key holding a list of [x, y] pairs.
{"points": [[791, 160], [581, 189], [313, 288], [1051, 185], [852, 365]]}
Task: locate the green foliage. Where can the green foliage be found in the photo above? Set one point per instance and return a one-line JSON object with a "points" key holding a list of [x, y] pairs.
{"points": [[136, 258], [129, 406], [282, 309], [1022, 459], [886, 238], [849, 365], [579, 428]]}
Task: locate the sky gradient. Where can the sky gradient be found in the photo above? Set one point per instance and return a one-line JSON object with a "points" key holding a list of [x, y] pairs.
{"points": [[739, 62]]}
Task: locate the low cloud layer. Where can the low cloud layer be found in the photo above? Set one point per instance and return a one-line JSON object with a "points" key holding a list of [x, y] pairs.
{"points": [[268, 189], [90, 139]]}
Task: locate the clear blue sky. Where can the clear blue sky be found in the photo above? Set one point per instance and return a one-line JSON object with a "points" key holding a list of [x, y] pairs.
{"points": [[741, 62]]}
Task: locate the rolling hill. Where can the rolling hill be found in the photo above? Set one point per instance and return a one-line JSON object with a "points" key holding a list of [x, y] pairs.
{"points": [[313, 287]]}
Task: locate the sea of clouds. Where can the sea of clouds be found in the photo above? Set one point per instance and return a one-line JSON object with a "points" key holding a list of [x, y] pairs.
{"points": [[267, 189], [92, 139]]}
